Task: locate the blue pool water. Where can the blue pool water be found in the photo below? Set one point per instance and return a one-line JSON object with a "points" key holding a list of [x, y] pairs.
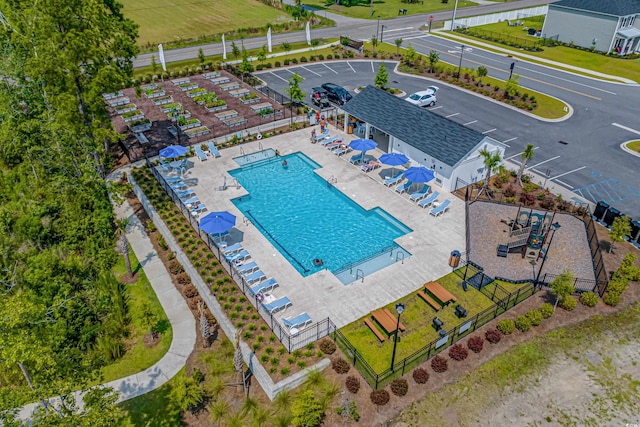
{"points": [[305, 218]]}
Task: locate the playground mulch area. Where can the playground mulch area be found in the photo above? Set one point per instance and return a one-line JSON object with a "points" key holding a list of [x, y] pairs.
{"points": [[569, 248]]}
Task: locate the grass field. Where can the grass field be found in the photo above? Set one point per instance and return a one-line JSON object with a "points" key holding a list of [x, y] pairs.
{"points": [[166, 20], [634, 146], [385, 9]]}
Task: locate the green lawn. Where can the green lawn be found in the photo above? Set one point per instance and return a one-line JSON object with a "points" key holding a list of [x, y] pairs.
{"points": [[417, 318], [138, 357], [634, 146], [165, 20], [385, 9]]}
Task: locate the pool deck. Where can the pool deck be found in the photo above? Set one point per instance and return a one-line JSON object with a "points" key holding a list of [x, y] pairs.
{"points": [[322, 295]]}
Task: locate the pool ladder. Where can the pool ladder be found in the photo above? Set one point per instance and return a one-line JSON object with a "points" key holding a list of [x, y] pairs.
{"points": [[246, 221], [332, 180], [399, 256], [360, 273], [242, 151]]}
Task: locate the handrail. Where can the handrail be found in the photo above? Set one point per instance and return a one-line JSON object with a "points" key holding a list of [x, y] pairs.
{"points": [[260, 146], [361, 274], [242, 151], [351, 265], [401, 255]]}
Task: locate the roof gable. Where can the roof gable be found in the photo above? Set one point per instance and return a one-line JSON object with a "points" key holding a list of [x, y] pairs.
{"points": [[609, 7], [437, 136]]}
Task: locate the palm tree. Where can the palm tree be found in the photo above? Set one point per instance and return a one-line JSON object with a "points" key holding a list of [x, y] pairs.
{"points": [[123, 244], [526, 155], [491, 163]]}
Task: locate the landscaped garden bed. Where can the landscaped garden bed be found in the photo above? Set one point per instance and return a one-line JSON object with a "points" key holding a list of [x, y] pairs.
{"points": [[216, 105], [153, 91], [112, 95], [119, 101], [187, 86], [196, 92], [185, 124], [250, 98], [175, 115], [235, 121], [197, 131], [237, 93], [170, 107], [226, 114], [220, 80], [132, 115], [178, 82], [163, 100], [229, 86], [121, 109], [211, 75]]}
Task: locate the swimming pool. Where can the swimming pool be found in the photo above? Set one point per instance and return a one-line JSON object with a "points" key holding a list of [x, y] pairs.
{"points": [[306, 218]]}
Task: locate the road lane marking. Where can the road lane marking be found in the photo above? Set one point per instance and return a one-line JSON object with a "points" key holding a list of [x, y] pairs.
{"points": [[568, 80], [567, 173], [311, 71], [626, 128], [416, 37], [351, 67], [400, 29], [284, 80], [489, 131], [543, 162], [451, 115], [470, 123], [330, 68]]}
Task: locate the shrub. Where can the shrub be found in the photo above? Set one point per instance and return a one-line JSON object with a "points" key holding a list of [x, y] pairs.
{"points": [[547, 203], [327, 346], [183, 279], [493, 336], [590, 299], [190, 291], [353, 384], [380, 397], [546, 310], [287, 62], [340, 365], [527, 198], [458, 352], [420, 376], [535, 317], [175, 267], [277, 63], [611, 298], [294, 61], [197, 375], [399, 387], [569, 303], [506, 326], [523, 323], [303, 59], [439, 364], [475, 344]]}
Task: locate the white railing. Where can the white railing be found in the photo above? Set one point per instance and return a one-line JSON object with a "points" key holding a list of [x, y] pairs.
{"points": [[511, 15]]}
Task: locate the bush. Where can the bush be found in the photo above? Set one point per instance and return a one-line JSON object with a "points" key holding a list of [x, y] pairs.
{"points": [[287, 62], [493, 336], [611, 298], [353, 384], [590, 299], [190, 291], [302, 59], [439, 364], [175, 267], [523, 323], [506, 326], [380, 397], [340, 365], [546, 310], [535, 317], [277, 63], [458, 352], [294, 61], [399, 387], [183, 279], [569, 303], [327, 346], [420, 376], [475, 344]]}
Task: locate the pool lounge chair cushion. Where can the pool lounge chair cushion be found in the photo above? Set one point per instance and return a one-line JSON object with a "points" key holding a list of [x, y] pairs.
{"points": [[200, 153], [213, 150], [280, 304], [404, 187], [393, 180], [341, 151], [331, 140], [357, 158], [429, 200], [298, 322], [439, 210], [255, 277], [264, 286]]}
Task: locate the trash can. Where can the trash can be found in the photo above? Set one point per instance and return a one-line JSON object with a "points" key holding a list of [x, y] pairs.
{"points": [[454, 259], [350, 128]]}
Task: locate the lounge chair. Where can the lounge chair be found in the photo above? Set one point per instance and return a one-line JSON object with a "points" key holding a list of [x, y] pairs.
{"points": [[173, 179], [264, 286], [404, 187], [331, 140], [419, 195], [429, 200], [183, 166], [185, 194], [255, 277], [245, 269], [243, 255], [393, 180], [200, 153], [320, 137], [373, 164], [439, 210], [298, 322], [191, 200], [178, 185], [164, 165], [358, 158], [213, 150], [277, 305], [233, 249], [198, 209], [342, 150]]}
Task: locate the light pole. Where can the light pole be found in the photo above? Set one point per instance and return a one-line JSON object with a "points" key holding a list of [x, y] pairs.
{"points": [[554, 227], [382, 32], [461, 52], [511, 67], [378, 28], [453, 17], [399, 309]]}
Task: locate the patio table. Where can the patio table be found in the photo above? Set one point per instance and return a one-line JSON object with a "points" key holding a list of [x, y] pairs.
{"points": [[175, 164], [440, 292]]}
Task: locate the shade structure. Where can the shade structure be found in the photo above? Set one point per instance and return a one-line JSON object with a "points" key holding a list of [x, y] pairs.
{"points": [[217, 222], [173, 151], [363, 144], [394, 159], [419, 174]]}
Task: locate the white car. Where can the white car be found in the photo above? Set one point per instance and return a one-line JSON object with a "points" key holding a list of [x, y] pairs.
{"points": [[426, 98]]}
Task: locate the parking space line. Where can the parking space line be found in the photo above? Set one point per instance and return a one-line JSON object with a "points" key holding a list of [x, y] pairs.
{"points": [[543, 162], [274, 74], [489, 131], [351, 67], [451, 115], [510, 139], [311, 71], [435, 108], [417, 37], [372, 70], [567, 173], [330, 68], [625, 128], [515, 155], [470, 123], [570, 187]]}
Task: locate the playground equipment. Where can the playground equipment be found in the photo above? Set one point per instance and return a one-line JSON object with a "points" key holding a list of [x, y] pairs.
{"points": [[527, 234]]}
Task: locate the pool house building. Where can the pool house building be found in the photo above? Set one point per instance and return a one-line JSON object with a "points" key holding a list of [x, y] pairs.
{"points": [[450, 149]]}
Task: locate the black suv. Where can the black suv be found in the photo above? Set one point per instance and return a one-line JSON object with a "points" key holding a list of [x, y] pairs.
{"points": [[337, 94]]}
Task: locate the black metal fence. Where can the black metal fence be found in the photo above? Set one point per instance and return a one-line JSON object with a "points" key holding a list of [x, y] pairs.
{"points": [[291, 341]]}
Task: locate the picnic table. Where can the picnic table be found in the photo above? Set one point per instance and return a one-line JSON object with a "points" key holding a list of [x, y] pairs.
{"points": [[437, 290], [388, 322]]}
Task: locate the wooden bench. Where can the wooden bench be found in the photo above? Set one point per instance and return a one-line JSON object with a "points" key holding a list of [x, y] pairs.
{"points": [[429, 301], [374, 329]]}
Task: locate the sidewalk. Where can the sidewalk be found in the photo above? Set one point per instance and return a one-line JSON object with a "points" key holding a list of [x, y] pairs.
{"points": [[543, 61]]}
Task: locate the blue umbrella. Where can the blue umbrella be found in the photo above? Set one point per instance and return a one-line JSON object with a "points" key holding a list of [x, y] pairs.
{"points": [[363, 145], [419, 174], [394, 159], [217, 222], [173, 151]]}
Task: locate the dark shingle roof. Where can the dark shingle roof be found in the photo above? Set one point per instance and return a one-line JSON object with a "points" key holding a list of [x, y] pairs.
{"points": [[609, 7], [437, 136]]}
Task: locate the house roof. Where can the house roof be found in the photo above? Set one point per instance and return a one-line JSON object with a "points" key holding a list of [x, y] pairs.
{"points": [[445, 140], [609, 7]]}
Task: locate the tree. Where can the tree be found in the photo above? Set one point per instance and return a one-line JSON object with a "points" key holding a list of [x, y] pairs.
{"points": [[382, 77], [295, 93], [201, 56], [620, 229], [482, 72], [286, 46], [374, 42], [123, 244], [492, 161], [434, 58], [307, 410], [154, 64], [187, 393], [246, 66], [150, 319], [315, 43], [262, 54], [562, 286], [235, 50], [511, 88], [410, 55], [398, 43], [526, 155]]}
